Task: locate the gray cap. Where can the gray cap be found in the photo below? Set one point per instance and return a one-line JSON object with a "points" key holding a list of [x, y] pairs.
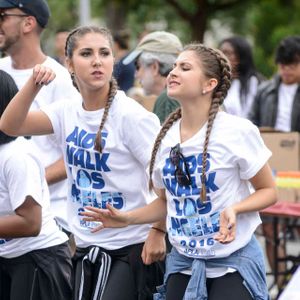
{"points": [[157, 41]]}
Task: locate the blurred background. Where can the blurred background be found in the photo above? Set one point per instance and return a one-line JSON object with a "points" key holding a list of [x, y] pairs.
{"points": [[262, 22]]}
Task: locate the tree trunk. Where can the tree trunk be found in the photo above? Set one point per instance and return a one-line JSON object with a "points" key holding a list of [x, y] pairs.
{"points": [[198, 25], [116, 15]]}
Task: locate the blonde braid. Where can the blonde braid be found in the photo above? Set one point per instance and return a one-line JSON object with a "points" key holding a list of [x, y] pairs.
{"points": [[174, 116], [211, 117], [112, 92], [218, 97]]}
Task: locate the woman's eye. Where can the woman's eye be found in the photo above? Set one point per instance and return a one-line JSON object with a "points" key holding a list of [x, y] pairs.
{"points": [[85, 54], [185, 68], [105, 53]]}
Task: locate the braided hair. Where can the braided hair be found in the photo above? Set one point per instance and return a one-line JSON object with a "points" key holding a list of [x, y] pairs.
{"points": [[214, 65], [71, 44]]}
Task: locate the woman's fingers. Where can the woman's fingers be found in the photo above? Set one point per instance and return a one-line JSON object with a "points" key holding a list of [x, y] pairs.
{"points": [[42, 75], [94, 214], [98, 228], [226, 234]]}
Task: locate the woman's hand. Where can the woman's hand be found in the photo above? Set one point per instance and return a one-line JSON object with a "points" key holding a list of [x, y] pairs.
{"points": [[227, 230], [154, 248], [110, 217], [42, 75]]}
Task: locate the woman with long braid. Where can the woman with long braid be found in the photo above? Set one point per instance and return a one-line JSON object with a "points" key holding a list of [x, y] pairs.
{"points": [[107, 140], [203, 163]]}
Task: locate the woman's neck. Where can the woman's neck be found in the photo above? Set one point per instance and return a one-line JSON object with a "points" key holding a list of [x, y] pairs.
{"points": [[194, 116], [95, 99]]}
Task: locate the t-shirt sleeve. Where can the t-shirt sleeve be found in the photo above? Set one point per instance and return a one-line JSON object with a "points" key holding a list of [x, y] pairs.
{"points": [[140, 132], [54, 112], [24, 178], [252, 154]]}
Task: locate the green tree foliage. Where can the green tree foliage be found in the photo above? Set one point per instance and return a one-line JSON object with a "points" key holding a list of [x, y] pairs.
{"points": [[64, 14], [272, 21], [263, 22]]}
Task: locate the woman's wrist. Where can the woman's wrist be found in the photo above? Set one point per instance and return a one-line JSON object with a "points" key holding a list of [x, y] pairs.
{"points": [[158, 229]]}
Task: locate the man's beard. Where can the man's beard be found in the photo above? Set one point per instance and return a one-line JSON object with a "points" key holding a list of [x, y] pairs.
{"points": [[8, 43]]}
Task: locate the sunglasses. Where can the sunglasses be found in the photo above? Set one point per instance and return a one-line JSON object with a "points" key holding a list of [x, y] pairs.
{"points": [[3, 15], [183, 177]]}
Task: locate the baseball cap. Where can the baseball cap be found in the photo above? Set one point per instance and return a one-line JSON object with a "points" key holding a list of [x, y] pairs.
{"points": [[157, 41], [37, 8]]}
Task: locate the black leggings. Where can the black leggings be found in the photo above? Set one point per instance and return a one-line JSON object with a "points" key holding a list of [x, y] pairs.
{"points": [[129, 278], [120, 284], [230, 286]]}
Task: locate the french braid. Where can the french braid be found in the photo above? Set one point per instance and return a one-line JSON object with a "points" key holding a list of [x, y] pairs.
{"points": [[75, 34], [215, 65], [71, 44]]}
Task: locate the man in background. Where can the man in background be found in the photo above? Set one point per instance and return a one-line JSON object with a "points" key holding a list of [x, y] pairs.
{"points": [[59, 46], [21, 25], [124, 74], [277, 106], [154, 57]]}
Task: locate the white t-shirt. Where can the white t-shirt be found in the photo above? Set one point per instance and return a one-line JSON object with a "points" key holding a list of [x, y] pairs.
{"points": [[233, 104], [48, 150], [286, 95], [117, 176], [236, 153], [21, 175]]}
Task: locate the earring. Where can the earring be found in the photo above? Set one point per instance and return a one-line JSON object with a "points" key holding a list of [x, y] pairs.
{"points": [[72, 75], [203, 92]]}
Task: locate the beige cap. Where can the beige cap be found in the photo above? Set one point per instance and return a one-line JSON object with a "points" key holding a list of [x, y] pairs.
{"points": [[157, 41]]}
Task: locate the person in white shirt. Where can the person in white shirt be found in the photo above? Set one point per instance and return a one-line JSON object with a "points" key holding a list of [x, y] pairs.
{"points": [[277, 106], [35, 261], [245, 77], [21, 26], [202, 163], [107, 140]]}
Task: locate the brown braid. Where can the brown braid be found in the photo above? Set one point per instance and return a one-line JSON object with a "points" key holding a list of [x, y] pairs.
{"points": [[75, 34], [71, 45], [215, 65], [174, 116], [111, 95]]}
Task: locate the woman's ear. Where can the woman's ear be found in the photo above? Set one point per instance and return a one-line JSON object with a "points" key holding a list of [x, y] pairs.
{"points": [[210, 85], [69, 65]]}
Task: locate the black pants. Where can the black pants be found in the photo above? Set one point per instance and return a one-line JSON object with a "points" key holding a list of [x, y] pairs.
{"points": [[43, 274], [129, 278], [230, 286]]}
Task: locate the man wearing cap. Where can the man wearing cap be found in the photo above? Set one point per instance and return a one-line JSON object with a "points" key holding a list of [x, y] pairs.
{"points": [[154, 57], [21, 25]]}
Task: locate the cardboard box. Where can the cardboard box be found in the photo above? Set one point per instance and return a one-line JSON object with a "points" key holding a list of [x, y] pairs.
{"points": [[285, 147]]}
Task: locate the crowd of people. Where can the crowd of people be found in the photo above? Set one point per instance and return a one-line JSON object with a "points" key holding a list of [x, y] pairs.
{"points": [[101, 198]]}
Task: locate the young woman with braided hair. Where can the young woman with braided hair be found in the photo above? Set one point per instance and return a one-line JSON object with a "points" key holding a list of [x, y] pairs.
{"points": [[105, 163], [202, 165]]}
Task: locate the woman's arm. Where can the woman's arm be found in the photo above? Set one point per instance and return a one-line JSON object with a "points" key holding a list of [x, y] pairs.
{"points": [[155, 245], [265, 192], [265, 195], [16, 119], [56, 172], [111, 217], [25, 223]]}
